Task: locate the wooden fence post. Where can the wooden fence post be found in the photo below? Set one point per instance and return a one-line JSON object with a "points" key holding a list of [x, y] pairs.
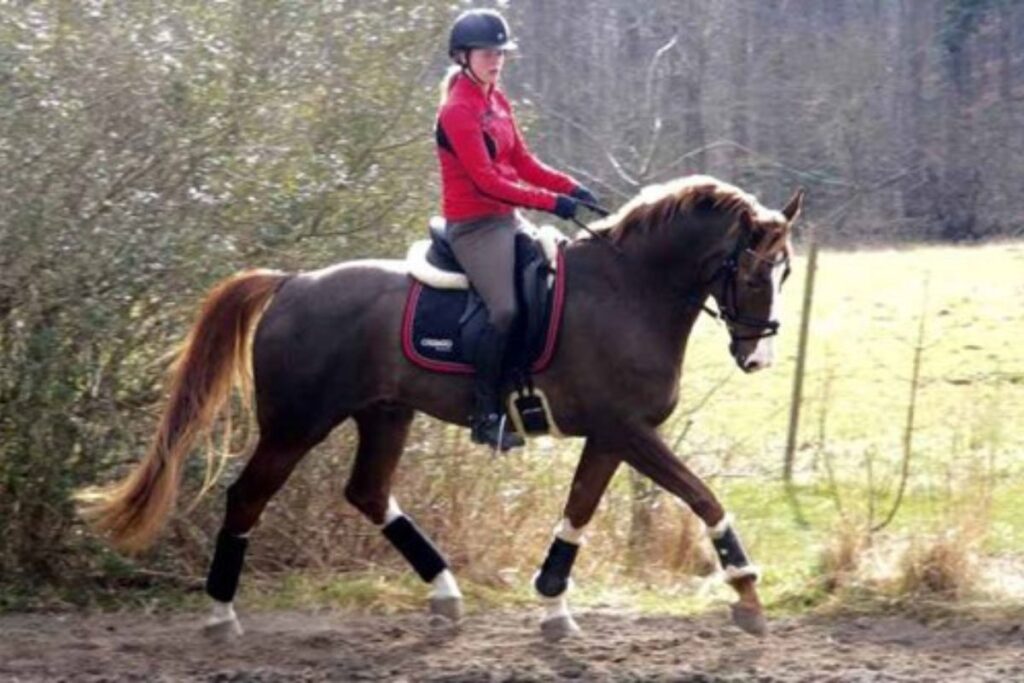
{"points": [[801, 356]]}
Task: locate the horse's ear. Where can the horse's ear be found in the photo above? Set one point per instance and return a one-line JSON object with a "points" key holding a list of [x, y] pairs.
{"points": [[794, 205]]}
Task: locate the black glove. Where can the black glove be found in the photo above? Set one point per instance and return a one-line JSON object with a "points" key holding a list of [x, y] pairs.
{"points": [[583, 194], [565, 207]]}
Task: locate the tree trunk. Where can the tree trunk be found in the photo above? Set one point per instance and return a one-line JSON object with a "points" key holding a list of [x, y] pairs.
{"points": [[739, 118], [917, 194]]}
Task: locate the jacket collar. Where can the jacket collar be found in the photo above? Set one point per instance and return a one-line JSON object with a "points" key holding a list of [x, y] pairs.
{"points": [[465, 87]]}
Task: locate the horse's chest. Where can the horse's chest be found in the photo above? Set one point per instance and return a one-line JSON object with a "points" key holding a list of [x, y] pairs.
{"points": [[645, 384]]}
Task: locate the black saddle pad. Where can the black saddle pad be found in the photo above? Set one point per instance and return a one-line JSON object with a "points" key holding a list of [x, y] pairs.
{"points": [[440, 326]]}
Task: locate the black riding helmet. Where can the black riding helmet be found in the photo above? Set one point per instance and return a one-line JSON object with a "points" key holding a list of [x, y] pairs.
{"points": [[479, 28]]}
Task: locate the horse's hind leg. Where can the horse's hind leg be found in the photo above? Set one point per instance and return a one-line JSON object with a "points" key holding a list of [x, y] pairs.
{"points": [[595, 469], [383, 430], [265, 473]]}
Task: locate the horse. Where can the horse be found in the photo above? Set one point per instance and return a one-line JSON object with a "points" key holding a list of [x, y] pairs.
{"points": [[317, 348]]}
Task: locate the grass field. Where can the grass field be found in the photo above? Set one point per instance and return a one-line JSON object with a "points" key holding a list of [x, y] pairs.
{"points": [[863, 330]]}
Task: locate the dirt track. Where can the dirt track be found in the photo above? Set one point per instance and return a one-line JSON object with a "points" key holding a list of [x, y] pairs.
{"points": [[286, 646]]}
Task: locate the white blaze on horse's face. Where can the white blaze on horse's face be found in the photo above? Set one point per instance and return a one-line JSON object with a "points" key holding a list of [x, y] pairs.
{"points": [[769, 248], [764, 353], [752, 296]]}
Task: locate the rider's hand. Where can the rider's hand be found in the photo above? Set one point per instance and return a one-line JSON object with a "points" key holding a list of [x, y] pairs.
{"points": [[584, 194], [565, 207]]}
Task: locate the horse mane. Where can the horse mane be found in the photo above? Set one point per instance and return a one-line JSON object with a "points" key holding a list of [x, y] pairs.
{"points": [[656, 206]]}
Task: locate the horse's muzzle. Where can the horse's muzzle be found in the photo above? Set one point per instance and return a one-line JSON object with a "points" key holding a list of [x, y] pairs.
{"points": [[752, 360]]}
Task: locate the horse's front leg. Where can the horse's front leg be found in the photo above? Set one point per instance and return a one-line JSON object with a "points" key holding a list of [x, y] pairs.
{"points": [[595, 470], [648, 454]]}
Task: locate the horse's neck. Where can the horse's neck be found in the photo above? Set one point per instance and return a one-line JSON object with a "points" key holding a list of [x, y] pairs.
{"points": [[633, 285]]}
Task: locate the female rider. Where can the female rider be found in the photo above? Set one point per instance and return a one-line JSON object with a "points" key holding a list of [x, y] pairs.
{"points": [[486, 172]]}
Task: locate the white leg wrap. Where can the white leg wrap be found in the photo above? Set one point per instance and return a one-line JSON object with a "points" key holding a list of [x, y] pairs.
{"points": [[718, 530], [737, 573], [557, 621], [445, 586], [222, 624], [732, 572], [568, 533], [222, 611], [393, 512], [556, 607]]}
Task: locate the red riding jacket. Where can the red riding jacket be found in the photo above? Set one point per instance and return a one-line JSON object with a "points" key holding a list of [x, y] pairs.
{"points": [[486, 168]]}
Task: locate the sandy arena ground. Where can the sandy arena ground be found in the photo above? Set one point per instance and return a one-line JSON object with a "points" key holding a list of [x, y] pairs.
{"points": [[505, 646]]}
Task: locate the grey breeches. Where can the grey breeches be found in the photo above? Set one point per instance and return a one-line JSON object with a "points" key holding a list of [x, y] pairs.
{"points": [[485, 248]]}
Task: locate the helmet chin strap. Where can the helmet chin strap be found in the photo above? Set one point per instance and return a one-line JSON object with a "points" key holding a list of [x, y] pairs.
{"points": [[468, 70]]}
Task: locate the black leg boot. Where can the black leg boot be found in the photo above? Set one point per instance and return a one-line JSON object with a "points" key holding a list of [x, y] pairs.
{"points": [[488, 421]]}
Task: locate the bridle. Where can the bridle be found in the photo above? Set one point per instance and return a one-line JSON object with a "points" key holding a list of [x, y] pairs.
{"points": [[727, 305], [729, 271]]}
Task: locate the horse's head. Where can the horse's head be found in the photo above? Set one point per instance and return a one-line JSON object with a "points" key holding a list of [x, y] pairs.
{"points": [[703, 236], [748, 285]]}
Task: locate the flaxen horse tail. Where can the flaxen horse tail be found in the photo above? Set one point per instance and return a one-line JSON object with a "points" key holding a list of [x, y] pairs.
{"points": [[214, 359]]}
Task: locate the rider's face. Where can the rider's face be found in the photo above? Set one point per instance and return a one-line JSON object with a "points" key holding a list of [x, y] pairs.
{"points": [[487, 63]]}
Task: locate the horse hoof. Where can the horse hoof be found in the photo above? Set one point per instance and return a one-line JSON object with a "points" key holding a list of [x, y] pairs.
{"points": [[750, 619], [449, 608], [557, 628], [222, 630]]}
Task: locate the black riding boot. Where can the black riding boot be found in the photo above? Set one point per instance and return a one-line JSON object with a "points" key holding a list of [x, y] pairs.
{"points": [[487, 420]]}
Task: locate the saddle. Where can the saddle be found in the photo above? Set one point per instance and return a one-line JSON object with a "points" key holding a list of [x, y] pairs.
{"points": [[444, 316], [433, 262]]}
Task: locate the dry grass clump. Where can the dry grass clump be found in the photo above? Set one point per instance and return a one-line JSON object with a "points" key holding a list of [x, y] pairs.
{"points": [[691, 553], [943, 566], [841, 558], [663, 540], [857, 565]]}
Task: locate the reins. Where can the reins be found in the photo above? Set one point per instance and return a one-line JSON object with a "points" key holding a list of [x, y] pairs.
{"points": [[602, 212]]}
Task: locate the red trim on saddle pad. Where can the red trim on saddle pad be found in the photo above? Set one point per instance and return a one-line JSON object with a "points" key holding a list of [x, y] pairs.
{"points": [[539, 365]]}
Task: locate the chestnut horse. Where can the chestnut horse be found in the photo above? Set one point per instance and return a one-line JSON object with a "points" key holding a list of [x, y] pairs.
{"points": [[326, 348]]}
